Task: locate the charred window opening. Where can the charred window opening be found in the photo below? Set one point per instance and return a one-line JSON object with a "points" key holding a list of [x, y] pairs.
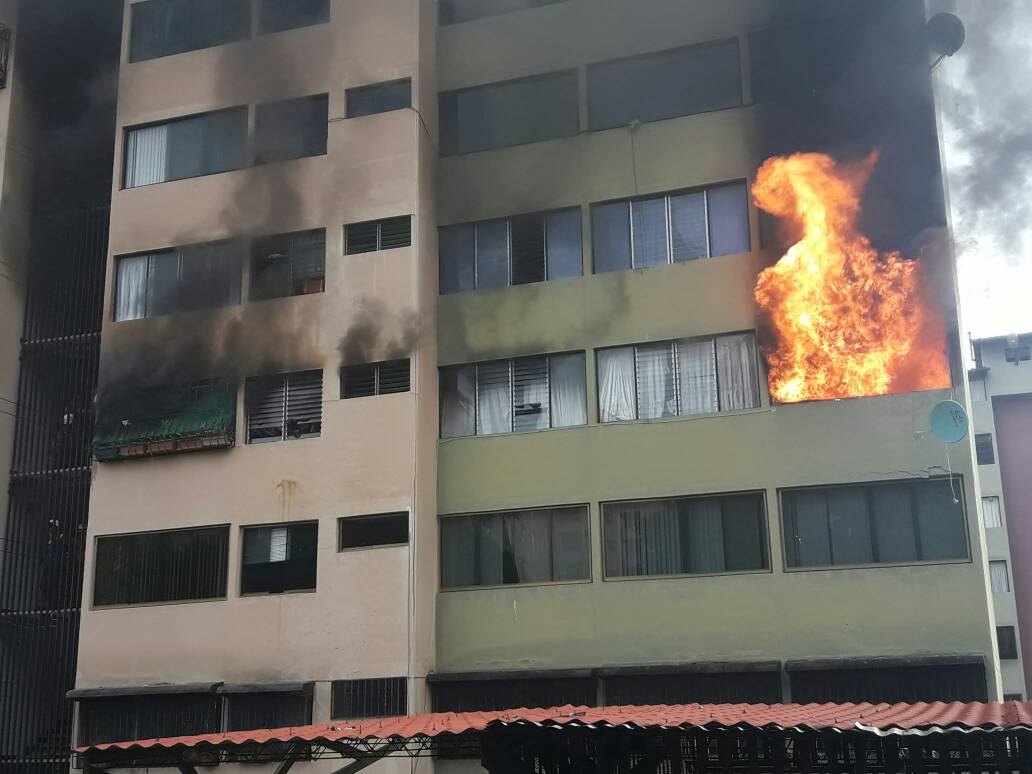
{"points": [[984, 452], [379, 98], [291, 129], [381, 529], [284, 407], [152, 567], [374, 235], [164, 27], [456, 11], [1007, 642], [149, 716], [288, 264], [376, 697], [280, 15], [279, 558], [369, 379]]}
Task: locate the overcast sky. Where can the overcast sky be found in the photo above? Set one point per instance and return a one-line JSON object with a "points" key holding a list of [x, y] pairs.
{"points": [[987, 123]]}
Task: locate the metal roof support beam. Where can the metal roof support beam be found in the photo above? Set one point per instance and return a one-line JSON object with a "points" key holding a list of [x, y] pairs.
{"points": [[361, 763]]}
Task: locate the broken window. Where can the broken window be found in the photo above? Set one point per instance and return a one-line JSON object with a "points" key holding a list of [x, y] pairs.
{"points": [[375, 697], [288, 264], [368, 379], [284, 406], [279, 558], [506, 396], [379, 98], [984, 453], [164, 27], [291, 129], [373, 235], [381, 529], [280, 15]]}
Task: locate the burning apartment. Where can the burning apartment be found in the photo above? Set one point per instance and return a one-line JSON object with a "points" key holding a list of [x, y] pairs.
{"points": [[479, 354]]}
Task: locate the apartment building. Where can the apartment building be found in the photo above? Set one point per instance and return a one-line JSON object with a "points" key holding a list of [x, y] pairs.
{"points": [[1001, 386]]}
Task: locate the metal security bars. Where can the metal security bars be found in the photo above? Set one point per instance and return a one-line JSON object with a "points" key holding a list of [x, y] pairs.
{"points": [[375, 697]]}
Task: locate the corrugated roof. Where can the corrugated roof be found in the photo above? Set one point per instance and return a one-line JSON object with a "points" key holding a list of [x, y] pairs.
{"points": [[919, 718]]}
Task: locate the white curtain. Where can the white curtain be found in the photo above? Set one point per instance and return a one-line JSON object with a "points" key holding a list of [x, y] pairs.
{"points": [[494, 398], [616, 390], [458, 396], [736, 364], [998, 579], [146, 155], [697, 369], [279, 544], [705, 536], [131, 288], [656, 394], [991, 515], [568, 393]]}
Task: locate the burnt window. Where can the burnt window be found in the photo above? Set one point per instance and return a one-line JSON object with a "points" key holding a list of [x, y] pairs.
{"points": [[288, 264], [279, 15], [248, 710], [284, 406], [689, 688], [375, 235], [368, 379], [291, 129], [533, 692], [148, 716], [379, 98], [164, 27], [279, 558], [939, 682], [984, 453], [376, 697], [1018, 354], [170, 566], [1007, 642], [381, 529]]}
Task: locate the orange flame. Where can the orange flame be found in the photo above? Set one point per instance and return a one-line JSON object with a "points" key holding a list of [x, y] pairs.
{"points": [[847, 321]]}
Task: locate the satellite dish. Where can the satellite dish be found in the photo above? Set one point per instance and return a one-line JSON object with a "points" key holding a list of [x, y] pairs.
{"points": [[949, 421], [945, 34]]}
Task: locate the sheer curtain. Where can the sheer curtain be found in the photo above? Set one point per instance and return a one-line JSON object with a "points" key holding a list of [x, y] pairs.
{"points": [[146, 154], [458, 399], [530, 393], [656, 394], [705, 536], [567, 385], [131, 288], [616, 390], [697, 367], [736, 364], [642, 539], [494, 398], [528, 547], [688, 226]]}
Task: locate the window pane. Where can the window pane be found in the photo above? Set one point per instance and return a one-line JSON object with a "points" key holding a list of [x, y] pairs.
{"points": [[131, 288], [164, 27], [382, 529], [304, 404], [806, 529], [697, 370], [455, 11], [703, 527], [568, 392], [458, 552], [563, 237], [209, 276], [728, 207], [492, 254], [643, 538], [744, 533], [530, 393], [278, 15], [998, 580], [571, 553], [528, 249], [673, 83], [655, 380], [277, 559], [649, 232], [737, 372], [617, 390], [379, 98], [992, 516], [940, 520], [1007, 642], [458, 399], [688, 225], [984, 452], [146, 155], [893, 524], [611, 237], [206, 144], [163, 284], [494, 398], [528, 547], [850, 526], [265, 401], [458, 258], [291, 129], [978, 388]]}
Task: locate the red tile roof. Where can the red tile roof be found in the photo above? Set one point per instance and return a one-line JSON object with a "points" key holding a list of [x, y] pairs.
{"points": [[919, 718]]}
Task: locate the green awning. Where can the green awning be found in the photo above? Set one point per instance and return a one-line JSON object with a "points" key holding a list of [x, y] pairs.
{"points": [[165, 420]]}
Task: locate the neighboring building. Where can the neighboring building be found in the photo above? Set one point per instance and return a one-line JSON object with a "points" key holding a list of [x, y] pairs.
{"points": [[1001, 404]]}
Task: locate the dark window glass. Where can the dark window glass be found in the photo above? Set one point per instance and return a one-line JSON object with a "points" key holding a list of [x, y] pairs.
{"points": [[684, 536], [291, 129], [121, 718], [984, 453], [946, 682], [905, 521], [1007, 641], [455, 11], [288, 264], [376, 697], [278, 15], [379, 98], [538, 546], [373, 235], [611, 236], [565, 256], [368, 379], [185, 147], [280, 558], [485, 695], [664, 85], [283, 406], [1018, 354], [701, 688], [249, 711], [458, 258], [382, 529], [509, 113], [164, 27], [528, 249], [171, 566]]}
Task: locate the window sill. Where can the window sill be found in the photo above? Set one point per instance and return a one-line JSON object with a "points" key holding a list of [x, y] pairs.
{"points": [[876, 566], [451, 589], [683, 576]]}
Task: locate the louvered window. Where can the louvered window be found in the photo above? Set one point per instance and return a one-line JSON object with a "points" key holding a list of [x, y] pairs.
{"points": [[279, 558], [368, 379], [376, 697], [288, 264], [375, 235], [284, 406]]}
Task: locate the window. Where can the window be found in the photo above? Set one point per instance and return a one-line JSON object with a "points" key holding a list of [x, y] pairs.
{"points": [[382, 529], [455, 11], [694, 687], [378, 235], [664, 85], [984, 453], [1018, 354], [288, 264], [280, 558], [185, 147], [1007, 641], [515, 112], [1012, 697], [147, 716], [279, 15], [506, 396], [999, 581], [290, 129], [495, 694], [905, 521], [172, 566], [678, 378], [368, 379], [992, 515], [377, 697], [379, 98], [978, 391], [686, 536], [248, 709], [535, 546], [284, 406], [640, 233], [185, 279], [164, 27], [511, 251], [891, 684]]}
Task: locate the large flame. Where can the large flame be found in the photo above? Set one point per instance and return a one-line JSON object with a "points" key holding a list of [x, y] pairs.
{"points": [[847, 320]]}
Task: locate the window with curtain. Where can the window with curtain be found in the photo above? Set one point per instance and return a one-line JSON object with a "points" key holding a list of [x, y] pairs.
{"points": [[545, 545], [280, 15], [999, 580], [670, 228], [678, 378], [197, 145], [881, 523], [978, 389], [184, 279], [291, 129], [288, 264], [507, 396], [164, 27], [284, 406], [684, 536], [279, 558], [379, 98], [992, 514], [510, 251]]}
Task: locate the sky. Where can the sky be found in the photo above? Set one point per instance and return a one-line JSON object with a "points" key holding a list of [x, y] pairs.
{"points": [[987, 127]]}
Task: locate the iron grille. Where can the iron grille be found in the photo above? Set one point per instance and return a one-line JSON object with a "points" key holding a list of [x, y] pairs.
{"points": [[375, 697]]}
